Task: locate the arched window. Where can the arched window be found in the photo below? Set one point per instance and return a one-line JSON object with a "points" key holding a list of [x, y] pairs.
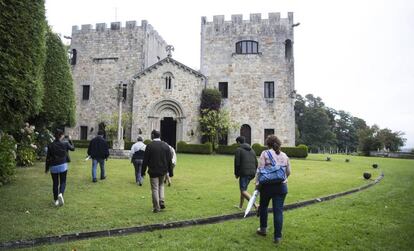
{"points": [[167, 80], [247, 47], [288, 49], [73, 57], [246, 131]]}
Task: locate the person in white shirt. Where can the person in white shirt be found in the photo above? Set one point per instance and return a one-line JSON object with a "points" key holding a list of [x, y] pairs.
{"points": [[137, 158], [174, 162]]}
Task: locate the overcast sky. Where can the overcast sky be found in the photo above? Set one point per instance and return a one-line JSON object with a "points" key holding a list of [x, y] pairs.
{"points": [[358, 56]]}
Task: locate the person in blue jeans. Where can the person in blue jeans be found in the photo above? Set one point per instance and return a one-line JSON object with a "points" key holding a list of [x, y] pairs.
{"points": [[276, 192], [57, 163], [98, 150]]}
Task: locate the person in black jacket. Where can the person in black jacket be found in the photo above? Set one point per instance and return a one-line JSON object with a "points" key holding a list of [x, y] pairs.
{"points": [[98, 150], [57, 164], [158, 159], [245, 164]]}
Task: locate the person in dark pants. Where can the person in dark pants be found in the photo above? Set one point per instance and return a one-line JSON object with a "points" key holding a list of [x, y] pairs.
{"points": [[158, 159], [57, 164], [99, 151], [245, 165], [137, 158], [275, 192]]}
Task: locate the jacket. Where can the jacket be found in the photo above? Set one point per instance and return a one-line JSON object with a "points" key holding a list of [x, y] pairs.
{"points": [[158, 159], [98, 148], [57, 153], [245, 161]]}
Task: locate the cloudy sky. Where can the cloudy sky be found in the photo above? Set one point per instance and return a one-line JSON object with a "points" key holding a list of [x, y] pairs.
{"points": [[358, 56]]}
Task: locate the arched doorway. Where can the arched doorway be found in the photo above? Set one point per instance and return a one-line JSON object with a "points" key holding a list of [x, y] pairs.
{"points": [[246, 131], [167, 116]]}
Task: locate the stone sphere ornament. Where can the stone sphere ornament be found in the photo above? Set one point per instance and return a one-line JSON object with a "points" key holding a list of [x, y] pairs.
{"points": [[346, 160], [367, 176], [375, 165], [328, 158]]}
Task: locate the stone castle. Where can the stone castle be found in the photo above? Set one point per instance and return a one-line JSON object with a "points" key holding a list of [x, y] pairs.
{"points": [[249, 61]]}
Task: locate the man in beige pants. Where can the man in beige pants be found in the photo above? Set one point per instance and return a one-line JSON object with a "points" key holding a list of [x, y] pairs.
{"points": [[157, 158]]}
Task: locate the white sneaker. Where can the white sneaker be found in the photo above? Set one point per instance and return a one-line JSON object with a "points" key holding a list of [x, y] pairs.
{"points": [[56, 203], [60, 200]]}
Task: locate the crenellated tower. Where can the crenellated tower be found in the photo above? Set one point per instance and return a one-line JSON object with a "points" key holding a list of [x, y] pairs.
{"points": [[251, 62]]}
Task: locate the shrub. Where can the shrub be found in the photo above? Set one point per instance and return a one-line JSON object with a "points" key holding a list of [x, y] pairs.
{"points": [[183, 147], [292, 152], [222, 149], [7, 158], [128, 145], [26, 149], [147, 141], [81, 143]]}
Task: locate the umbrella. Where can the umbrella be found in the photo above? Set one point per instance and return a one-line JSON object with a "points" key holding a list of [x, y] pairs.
{"points": [[251, 202]]}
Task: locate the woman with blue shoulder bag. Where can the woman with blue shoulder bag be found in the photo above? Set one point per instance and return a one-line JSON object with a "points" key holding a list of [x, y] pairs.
{"points": [[271, 181]]}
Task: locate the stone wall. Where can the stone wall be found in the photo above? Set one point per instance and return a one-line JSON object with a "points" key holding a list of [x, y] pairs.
{"points": [[107, 56], [246, 73], [152, 101]]}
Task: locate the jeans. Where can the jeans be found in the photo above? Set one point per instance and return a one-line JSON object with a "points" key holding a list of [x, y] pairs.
{"points": [[56, 188], [157, 190], [277, 204], [138, 167], [102, 166]]}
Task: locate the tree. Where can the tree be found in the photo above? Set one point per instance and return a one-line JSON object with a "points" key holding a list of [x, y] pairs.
{"points": [[215, 124], [22, 43], [367, 139], [110, 123], [59, 100], [392, 141]]}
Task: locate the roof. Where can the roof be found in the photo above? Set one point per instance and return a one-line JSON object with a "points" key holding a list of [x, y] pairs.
{"points": [[166, 61]]}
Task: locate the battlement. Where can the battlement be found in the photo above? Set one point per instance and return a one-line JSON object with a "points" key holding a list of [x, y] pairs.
{"points": [[254, 18], [116, 27]]}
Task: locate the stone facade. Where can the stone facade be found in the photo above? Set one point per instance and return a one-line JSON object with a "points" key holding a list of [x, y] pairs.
{"points": [[106, 57], [246, 73], [136, 55]]}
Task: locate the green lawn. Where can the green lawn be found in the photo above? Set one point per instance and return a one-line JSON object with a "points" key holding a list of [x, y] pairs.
{"points": [[205, 186]]}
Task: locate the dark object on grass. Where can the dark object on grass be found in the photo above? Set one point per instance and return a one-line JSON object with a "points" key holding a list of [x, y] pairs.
{"points": [[346, 160], [367, 176], [328, 158], [375, 165]]}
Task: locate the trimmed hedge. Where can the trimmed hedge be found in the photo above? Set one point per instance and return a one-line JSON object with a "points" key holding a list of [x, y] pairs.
{"points": [[223, 149], [183, 147], [81, 143], [300, 151]]}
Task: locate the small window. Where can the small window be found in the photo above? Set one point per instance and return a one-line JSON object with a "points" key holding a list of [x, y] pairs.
{"points": [[124, 92], [73, 57], [85, 92], [269, 89], [247, 47], [288, 49], [167, 80], [83, 133], [268, 132], [223, 88]]}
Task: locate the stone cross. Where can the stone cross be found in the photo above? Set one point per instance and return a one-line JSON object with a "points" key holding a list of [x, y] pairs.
{"points": [[169, 48]]}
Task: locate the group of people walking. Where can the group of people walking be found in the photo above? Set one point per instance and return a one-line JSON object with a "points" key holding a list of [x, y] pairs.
{"points": [[159, 159]]}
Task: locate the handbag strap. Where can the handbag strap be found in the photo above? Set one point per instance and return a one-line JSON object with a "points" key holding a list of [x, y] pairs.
{"points": [[271, 158]]}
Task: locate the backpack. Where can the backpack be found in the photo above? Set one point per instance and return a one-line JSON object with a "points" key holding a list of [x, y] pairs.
{"points": [[273, 173]]}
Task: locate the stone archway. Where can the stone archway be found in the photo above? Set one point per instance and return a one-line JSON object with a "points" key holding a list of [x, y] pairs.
{"points": [[167, 116]]}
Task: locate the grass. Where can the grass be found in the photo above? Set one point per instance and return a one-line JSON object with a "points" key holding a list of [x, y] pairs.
{"points": [[203, 186]]}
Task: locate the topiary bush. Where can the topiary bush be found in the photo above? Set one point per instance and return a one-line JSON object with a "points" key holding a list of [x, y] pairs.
{"points": [[183, 147], [258, 148], [128, 145], [7, 158], [231, 149], [81, 143], [147, 141], [26, 149]]}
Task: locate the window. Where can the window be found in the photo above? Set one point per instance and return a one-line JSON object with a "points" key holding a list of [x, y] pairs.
{"points": [[288, 49], [223, 139], [223, 88], [268, 132], [247, 47], [83, 133], [73, 57], [269, 89], [85, 92], [124, 92], [167, 80]]}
